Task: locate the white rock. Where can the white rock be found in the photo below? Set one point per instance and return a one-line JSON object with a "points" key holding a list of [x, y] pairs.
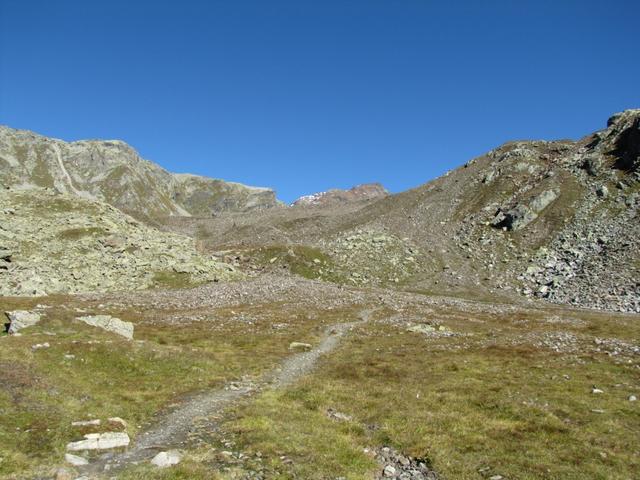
{"points": [[85, 423], [421, 328], [20, 319], [63, 473], [75, 460], [597, 390], [389, 471], [110, 324], [633, 398], [100, 441], [167, 459], [299, 346], [117, 421], [38, 346]]}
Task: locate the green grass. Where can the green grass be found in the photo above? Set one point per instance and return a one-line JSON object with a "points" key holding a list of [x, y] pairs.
{"points": [[171, 279], [306, 261], [493, 399], [74, 234], [464, 404], [42, 392]]}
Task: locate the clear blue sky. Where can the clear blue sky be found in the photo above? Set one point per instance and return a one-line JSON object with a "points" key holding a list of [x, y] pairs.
{"points": [[306, 95]]}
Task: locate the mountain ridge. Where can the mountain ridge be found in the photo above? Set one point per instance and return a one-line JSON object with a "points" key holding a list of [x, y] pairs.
{"points": [[113, 171]]}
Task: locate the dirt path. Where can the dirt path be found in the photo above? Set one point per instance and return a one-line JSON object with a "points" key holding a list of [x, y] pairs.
{"points": [[171, 430]]}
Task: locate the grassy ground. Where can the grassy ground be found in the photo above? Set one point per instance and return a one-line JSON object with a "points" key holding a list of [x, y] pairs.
{"points": [[87, 373], [495, 403], [510, 395]]}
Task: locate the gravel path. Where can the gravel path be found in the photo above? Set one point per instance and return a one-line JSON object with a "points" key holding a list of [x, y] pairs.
{"points": [[171, 430]]}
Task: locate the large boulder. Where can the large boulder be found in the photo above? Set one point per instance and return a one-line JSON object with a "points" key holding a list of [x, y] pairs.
{"points": [[514, 219], [522, 215], [19, 319]]}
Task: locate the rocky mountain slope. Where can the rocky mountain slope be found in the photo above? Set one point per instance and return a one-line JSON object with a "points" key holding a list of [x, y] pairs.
{"points": [[364, 192], [113, 172], [58, 243], [548, 219]]}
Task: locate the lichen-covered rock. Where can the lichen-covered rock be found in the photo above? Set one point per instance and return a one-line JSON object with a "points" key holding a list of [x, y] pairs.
{"points": [[63, 243]]}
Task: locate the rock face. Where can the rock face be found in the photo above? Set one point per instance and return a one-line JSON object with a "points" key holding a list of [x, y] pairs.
{"points": [[113, 172], [365, 192], [20, 319], [110, 324], [63, 243]]}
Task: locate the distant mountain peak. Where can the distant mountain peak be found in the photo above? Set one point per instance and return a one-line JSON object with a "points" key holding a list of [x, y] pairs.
{"points": [[364, 192]]}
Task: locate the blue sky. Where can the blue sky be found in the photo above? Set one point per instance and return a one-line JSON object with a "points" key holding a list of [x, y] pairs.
{"points": [[307, 95]]}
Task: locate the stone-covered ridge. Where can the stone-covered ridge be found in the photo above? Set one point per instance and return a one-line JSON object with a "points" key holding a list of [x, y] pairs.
{"points": [[367, 191], [60, 243], [113, 172]]}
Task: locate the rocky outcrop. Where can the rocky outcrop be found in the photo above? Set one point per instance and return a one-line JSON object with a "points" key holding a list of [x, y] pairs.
{"points": [[62, 243], [365, 192], [568, 229], [113, 172]]}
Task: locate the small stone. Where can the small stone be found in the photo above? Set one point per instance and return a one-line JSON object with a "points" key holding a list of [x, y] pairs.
{"points": [[596, 390], [167, 459], [633, 398], [75, 460], [602, 191], [299, 346], [117, 422], [389, 471], [64, 474], [496, 477], [86, 423], [39, 346], [421, 329]]}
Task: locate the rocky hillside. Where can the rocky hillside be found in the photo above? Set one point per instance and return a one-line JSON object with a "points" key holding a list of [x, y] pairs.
{"points": [[113, 172], [545, 219], [52, 242], [364, 192]]}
